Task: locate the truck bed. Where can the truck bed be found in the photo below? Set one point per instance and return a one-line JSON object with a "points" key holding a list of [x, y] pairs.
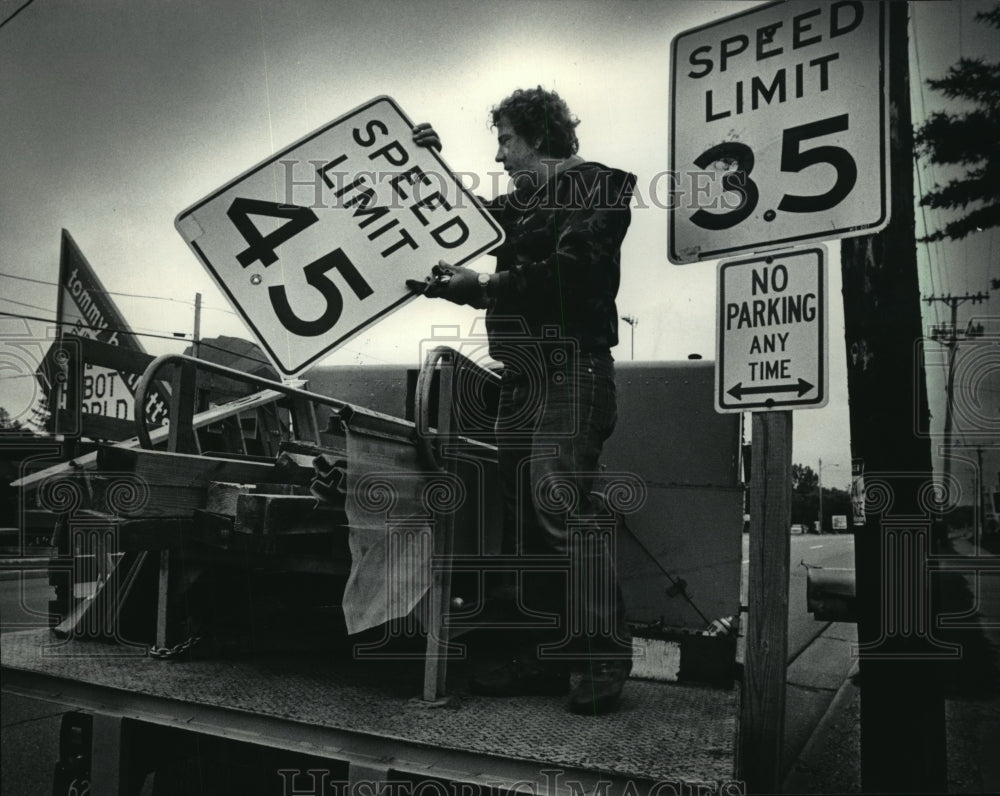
{"points": [[368, 715]]}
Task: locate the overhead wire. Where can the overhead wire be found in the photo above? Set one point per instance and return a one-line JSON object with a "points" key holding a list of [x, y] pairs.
{"points": [[932, 248], [134, 330], [124, 295], [25, 304], [55, 322], [18, 11], [105, 292], [201, 342]]}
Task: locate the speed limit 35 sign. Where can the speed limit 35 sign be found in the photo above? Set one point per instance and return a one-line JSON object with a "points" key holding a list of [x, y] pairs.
{"points": [[778, 132], [316, 243]]}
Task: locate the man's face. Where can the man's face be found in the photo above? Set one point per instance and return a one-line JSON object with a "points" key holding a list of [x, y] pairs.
{"points": [[520, 159]]}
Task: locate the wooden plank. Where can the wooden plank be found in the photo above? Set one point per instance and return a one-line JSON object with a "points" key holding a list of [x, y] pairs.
{"points": [[219, 384], [268, 429], [113, 356], [184, 469], [98, 426], [177, 483], [157, 436], [223, 496], [284, 514], [304, 420], [762, 709], [332, 446]]}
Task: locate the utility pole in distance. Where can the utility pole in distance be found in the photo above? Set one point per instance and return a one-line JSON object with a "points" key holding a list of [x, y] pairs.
{"points": [[948, 335], [902, 700], [632, 321]]}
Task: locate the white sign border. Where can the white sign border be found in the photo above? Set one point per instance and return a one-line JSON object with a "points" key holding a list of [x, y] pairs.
{"points": [[181, 217], [826, 234], [823, 369]]}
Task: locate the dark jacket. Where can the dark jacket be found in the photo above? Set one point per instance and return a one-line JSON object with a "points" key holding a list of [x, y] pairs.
{"points": [[560, 263]]}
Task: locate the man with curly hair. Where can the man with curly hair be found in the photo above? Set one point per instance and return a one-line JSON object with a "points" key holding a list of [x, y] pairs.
{"points": [[551, 320]]}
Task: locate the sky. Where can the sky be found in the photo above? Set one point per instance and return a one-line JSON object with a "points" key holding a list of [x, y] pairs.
{"points": [[117, 115]]}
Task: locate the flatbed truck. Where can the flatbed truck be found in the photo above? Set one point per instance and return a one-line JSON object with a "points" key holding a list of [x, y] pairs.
{"points": [[317, 711]]}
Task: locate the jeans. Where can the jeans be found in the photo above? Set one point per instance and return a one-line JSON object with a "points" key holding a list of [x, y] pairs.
{"points": [[551, 426]]}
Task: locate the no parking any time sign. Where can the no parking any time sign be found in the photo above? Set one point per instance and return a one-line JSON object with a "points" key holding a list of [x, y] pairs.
{"points": [[771, 340]]}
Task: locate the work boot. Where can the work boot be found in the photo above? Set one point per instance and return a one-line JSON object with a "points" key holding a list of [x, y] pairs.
{"points": [[600, 689], [518, 676]]}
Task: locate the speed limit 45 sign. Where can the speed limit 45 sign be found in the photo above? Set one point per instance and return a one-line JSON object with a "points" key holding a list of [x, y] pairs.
{"points": [[316, 243], [778, 130]]}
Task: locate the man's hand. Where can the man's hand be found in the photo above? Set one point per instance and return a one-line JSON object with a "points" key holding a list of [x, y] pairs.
{"points": [[453, 283], [425, 135]]}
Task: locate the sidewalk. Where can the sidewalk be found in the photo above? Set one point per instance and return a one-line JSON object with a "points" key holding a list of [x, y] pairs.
{"points": [[829, 762]]}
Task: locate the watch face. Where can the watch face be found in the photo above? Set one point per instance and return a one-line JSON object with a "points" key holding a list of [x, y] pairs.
{"points": [[484, 279]]}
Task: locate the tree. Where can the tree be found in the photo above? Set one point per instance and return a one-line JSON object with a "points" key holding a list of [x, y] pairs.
{"points": [[804, 479], [967, 139], [8, 423], [805, 494]]}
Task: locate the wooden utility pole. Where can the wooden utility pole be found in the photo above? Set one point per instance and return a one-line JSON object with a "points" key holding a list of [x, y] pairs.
{"points": [[902, 702], [762, 704], [948, 335]]}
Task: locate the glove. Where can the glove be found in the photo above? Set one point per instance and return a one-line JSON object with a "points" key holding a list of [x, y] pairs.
{"points": [[453, 283]]}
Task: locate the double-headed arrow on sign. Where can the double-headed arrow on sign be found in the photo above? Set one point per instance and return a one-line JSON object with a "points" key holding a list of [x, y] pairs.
{"points": [[738, 391]]}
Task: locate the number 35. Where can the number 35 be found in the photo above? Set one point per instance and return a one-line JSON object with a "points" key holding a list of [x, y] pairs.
{"points": [[793, 159]]}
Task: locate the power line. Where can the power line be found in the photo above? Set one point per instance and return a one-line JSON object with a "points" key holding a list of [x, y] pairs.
{"points": [[24, 6], [126, 295], [936, 256], [165, 337], [948, 335], [130, 331], [135, 330], [25, 304], [105, 292]]}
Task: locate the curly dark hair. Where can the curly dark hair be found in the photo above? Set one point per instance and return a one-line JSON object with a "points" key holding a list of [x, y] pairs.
{"points": [[537, 114]]}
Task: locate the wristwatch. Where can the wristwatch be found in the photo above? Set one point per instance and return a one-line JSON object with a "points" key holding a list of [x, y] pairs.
{"points": [[484, 284]]}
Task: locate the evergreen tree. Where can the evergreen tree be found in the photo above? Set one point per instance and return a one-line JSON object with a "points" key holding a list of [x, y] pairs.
{"points": [[968, 139]]}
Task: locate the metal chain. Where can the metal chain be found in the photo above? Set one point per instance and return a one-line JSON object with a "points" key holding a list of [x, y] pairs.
{"points": [[176, 651]]}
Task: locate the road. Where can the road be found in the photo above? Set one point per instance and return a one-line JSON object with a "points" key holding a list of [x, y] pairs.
{"points": [[826, 550]]}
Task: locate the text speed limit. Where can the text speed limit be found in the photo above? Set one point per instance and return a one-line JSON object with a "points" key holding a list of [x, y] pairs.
{"points": [[316, 244], [778, 129]]}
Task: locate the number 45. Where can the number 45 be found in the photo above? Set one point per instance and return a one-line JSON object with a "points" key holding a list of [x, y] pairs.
{"points": [[793, 159], [261, 248]]}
